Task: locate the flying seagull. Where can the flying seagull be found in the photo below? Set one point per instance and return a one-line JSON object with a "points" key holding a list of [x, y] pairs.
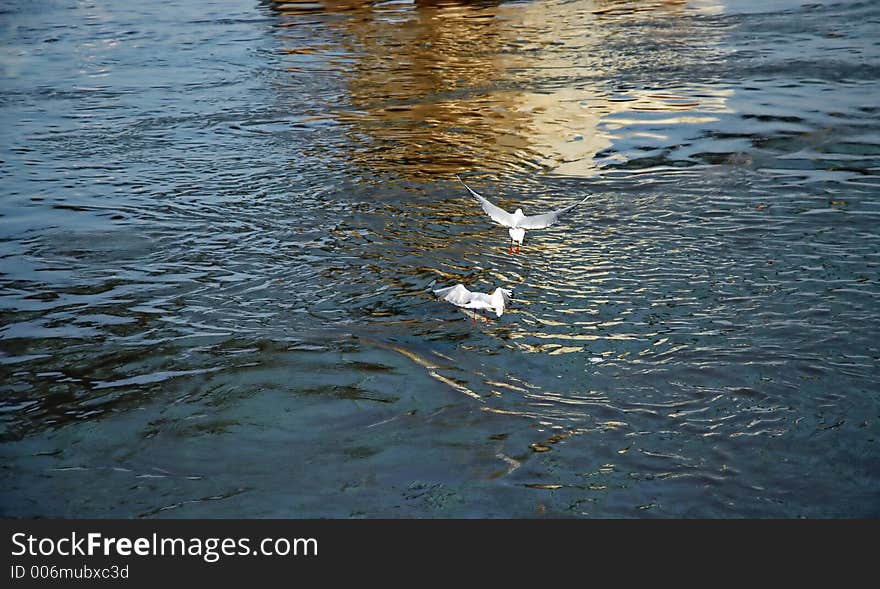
{"points": [[460, 296], [517, 223]]}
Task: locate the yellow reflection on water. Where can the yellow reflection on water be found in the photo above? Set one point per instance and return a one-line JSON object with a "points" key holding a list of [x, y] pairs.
{"points": [[438, 88]]}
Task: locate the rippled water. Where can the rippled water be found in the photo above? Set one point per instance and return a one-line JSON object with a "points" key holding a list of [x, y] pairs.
{"points": [[222, 221]]}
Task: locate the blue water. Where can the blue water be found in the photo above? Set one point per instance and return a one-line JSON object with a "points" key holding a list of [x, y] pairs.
{"points": [[221, 222]]}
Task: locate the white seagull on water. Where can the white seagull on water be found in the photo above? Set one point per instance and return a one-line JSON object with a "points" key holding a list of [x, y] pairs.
{"points": [[460, 296], [517, 223]]}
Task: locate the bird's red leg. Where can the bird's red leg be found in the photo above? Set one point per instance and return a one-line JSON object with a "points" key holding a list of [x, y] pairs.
{"points": [[517, 249]]}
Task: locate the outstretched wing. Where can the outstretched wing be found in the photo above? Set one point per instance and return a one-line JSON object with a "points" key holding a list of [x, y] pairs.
{"points": [[506, 294], [457, 295], [547, 219], [497, 214]]}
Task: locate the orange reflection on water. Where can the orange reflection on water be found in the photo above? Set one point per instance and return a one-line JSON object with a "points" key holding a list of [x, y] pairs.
{"points": [[438, 88]]}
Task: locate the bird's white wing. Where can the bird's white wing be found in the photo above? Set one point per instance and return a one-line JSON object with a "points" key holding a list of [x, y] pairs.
{"points": [[547, 219], [479, 300], [506, 294], [497, 214], [457, 295]]}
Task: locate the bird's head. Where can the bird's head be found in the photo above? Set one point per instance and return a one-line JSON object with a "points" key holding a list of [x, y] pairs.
{"points": [[519, 213]]}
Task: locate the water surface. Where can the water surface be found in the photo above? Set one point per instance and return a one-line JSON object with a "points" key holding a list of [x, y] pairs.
{"points": [[222, 221]]}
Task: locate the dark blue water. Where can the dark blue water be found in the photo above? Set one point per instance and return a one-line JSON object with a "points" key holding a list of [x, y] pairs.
{"points": [[221, 223]]}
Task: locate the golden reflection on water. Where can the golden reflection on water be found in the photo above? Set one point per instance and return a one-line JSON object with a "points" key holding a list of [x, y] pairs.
{"points": [[439, 88]]}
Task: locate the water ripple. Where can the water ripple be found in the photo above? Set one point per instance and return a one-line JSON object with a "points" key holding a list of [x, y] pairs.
{"points": [[221, 229]]}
